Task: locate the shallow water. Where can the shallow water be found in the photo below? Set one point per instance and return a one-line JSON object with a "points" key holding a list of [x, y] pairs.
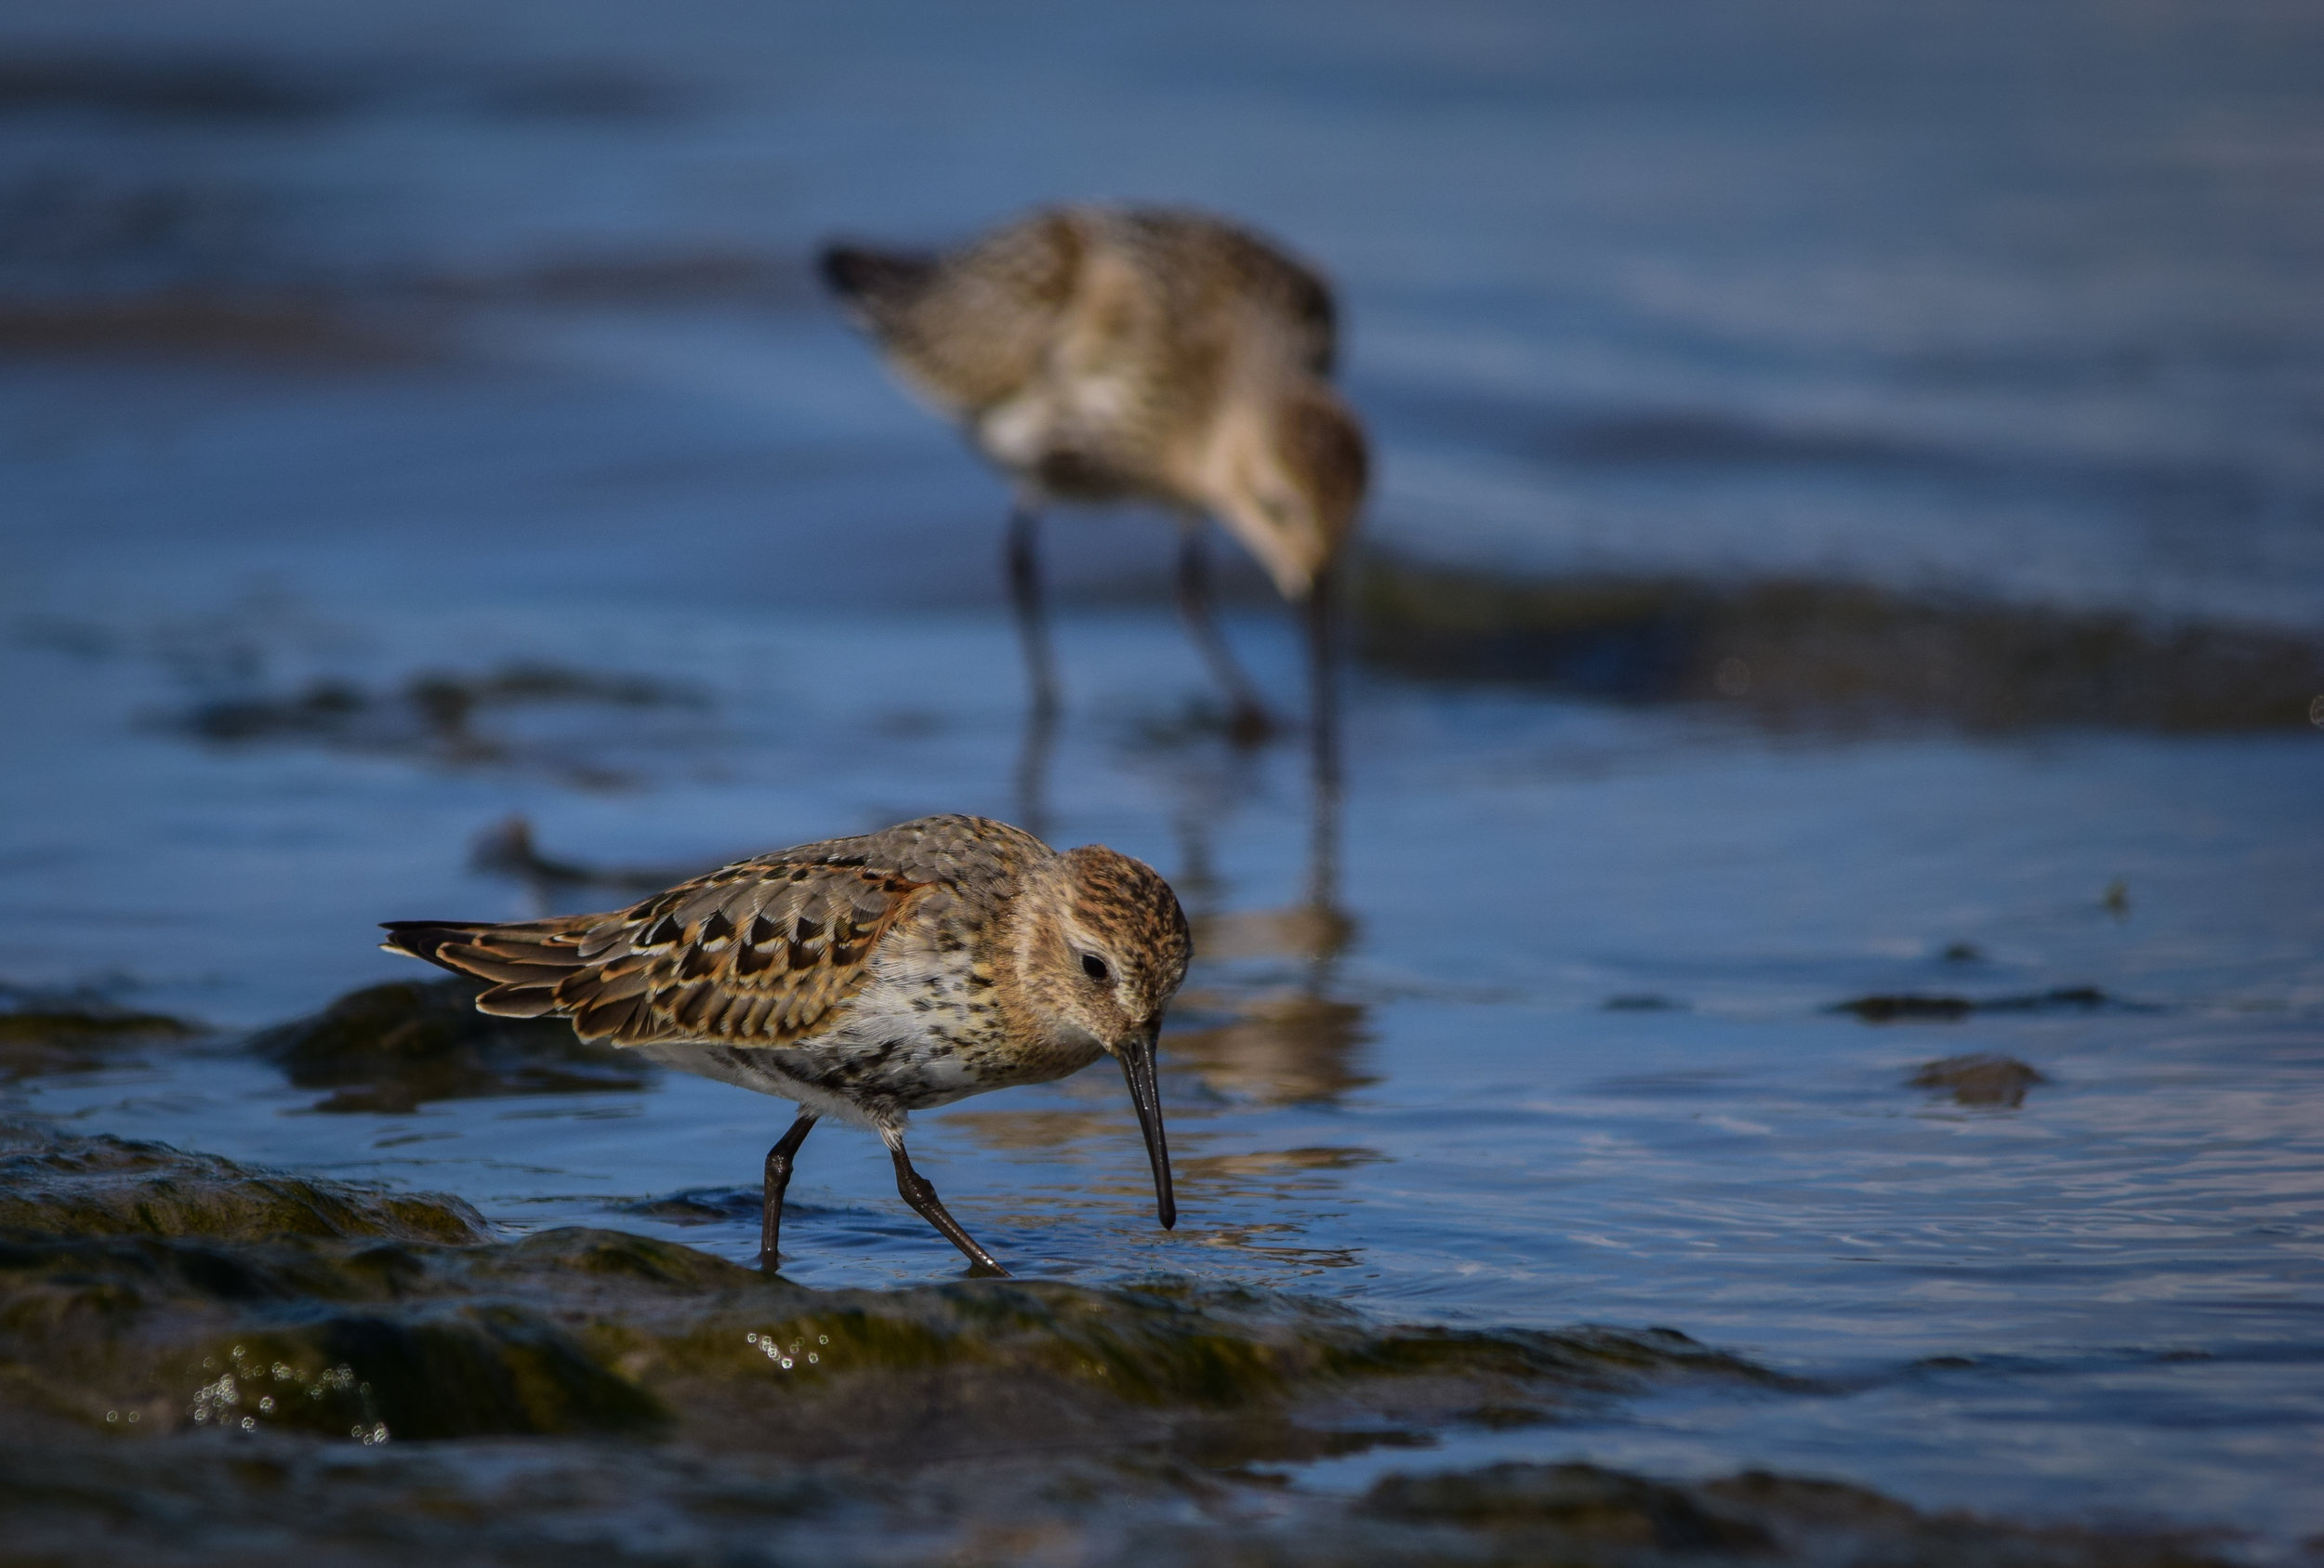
{"points": [[2102, 1301]]}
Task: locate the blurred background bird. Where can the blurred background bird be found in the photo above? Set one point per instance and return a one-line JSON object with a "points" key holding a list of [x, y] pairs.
{"points": [[1099, 354]]}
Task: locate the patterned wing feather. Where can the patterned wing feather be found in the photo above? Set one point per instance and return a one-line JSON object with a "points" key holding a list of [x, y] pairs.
{"points": [[762, 953]]}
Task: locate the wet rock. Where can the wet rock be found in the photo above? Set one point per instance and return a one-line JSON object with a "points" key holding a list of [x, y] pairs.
{"points": [[107, 1186], [1586, 1508], [391, 1048], [439, 716], [137, 1276], [249, 1390], [1807, 651], [1906, 1006], [1978, 1079], [709, 1206], [40, 1040], [265, 1500], [1582, 1514]]}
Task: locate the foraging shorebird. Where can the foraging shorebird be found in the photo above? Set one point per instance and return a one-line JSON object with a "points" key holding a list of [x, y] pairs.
{"points": [[1099, 354], [864, 979]]}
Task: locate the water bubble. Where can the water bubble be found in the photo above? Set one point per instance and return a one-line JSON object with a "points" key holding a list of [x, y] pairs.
{"points": [[113, 1416], [249, 1423], [266, 1406], [822, 1339]]}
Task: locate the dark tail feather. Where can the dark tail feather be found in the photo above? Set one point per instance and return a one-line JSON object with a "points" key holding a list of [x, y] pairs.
{"points": [[873, 280], [421, 939]]}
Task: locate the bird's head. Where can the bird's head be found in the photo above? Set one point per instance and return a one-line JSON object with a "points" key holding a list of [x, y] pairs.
{"points": [[1103, 951], [1288, 477]]}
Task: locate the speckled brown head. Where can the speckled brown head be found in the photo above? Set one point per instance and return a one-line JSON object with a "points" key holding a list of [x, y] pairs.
{"points": [[1289, 478], [1101, 946]]}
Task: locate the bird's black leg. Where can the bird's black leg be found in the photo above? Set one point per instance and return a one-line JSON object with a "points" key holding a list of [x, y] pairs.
{"points": [[921, 1194], [778, 1179], [1323, 671], [1025, 592], [1252, 722]]}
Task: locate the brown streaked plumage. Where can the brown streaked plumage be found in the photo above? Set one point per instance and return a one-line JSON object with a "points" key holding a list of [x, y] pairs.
{"points": [[1102, 354], [863, 978]]}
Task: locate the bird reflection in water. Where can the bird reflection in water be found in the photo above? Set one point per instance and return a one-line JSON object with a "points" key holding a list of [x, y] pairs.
{"points": [[1296, 1044]]}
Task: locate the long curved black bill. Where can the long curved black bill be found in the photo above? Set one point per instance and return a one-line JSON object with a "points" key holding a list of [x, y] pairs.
{"points": [[1136, 1057]]}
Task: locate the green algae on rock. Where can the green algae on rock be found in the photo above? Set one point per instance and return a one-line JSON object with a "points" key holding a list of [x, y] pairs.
{"points": [[392, 1048]]}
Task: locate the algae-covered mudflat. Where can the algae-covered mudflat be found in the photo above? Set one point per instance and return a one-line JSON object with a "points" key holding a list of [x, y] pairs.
{"points": [[1801, 1042]]}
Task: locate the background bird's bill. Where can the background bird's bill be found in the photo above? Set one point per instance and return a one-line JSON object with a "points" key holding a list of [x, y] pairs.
{"points": [[1137, 1059]]}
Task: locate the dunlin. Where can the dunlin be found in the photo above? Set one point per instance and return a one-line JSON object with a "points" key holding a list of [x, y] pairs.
{"points": [[1102, 354], [865, 979]]}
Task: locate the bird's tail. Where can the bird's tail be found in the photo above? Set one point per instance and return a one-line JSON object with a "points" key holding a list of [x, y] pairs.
{"points": [[525, 962], [875, 282]]}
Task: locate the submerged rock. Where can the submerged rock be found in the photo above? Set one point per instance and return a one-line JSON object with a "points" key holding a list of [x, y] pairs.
{"points": [[1578, 1506], [1902, 1006], [1978, 1079], [395, 1046], [1582, 1514], [1802, 650], [39, 1040], [440, 717]]}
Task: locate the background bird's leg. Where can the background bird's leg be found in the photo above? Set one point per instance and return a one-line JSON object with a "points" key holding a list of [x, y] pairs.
{"points": [[1025, 592], [1251, 722], [1323, 684], [778, 1179], [921, 1194], [1032, 758]]}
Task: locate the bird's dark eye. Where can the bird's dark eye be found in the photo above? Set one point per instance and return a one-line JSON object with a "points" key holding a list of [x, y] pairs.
{"points": [[1094, 966]]}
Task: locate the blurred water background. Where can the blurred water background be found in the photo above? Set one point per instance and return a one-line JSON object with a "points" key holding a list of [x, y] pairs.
{"points": [[414, 418]]}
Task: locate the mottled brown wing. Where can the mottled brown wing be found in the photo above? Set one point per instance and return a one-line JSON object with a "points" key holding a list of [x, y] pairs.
{"points": [[759, 953], [1210, 261], [977, 330]]}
